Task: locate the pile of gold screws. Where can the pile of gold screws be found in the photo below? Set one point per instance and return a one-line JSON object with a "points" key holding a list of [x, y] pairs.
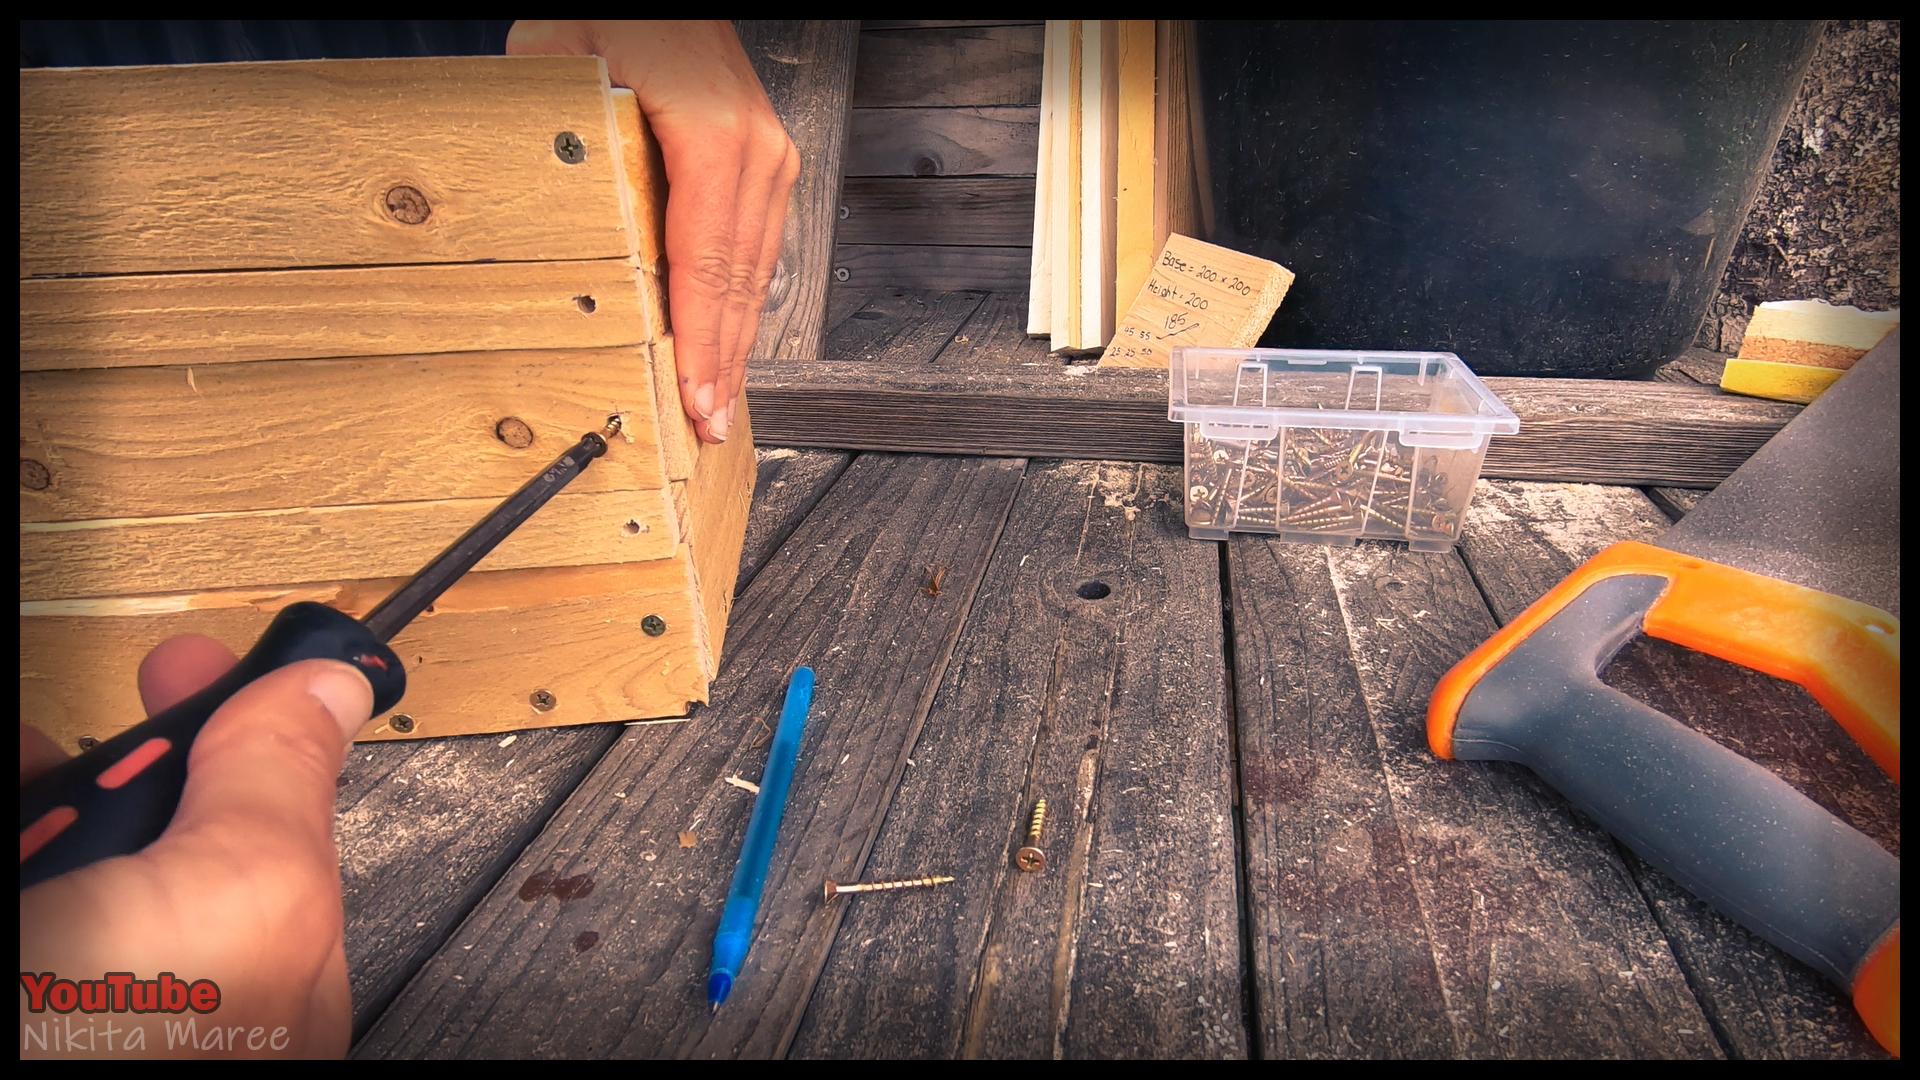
{"points": [[1325, 480]]}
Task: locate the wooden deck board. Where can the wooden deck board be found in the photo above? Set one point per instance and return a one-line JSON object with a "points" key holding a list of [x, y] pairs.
{"points": [[1111, 707], [842, 595]]}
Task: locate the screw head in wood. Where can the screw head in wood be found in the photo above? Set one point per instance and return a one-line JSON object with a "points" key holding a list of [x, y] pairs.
{"points": [[568, 148], [841, 273], [843, 213], [407, 205], [400, 722], [88, 742], [35, 476], [542, 700], [1030, 859], [654, 625]]}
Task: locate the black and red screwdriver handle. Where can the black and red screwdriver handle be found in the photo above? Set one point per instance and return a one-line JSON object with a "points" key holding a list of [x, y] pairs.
{"points": [[119, 797]]}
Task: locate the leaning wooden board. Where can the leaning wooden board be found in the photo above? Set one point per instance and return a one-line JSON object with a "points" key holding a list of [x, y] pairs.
{"points": [[299, 370]]}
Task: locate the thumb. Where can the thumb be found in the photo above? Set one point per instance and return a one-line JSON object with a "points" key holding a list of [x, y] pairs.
{"points": [[261, 777]]}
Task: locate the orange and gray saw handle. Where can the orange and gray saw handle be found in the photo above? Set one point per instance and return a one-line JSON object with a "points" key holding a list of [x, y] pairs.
{"points": [[1730, 831]]}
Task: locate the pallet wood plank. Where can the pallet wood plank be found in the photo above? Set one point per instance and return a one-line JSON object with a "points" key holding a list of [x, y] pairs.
{"points": [[966, 211], [1040, 262], [970, 65], [945, 267], [193, 552], [472, 661], [1343, 958], [1521, 540], [1135, 242], [268, 435], [997, 330], [1638, 433], [170, 319], [1113, 708], [1099, 143], [426, 827], [786, 486], [807, 69], [904, 325], [1541, 941], [366, 135], [987, 140], [847, 580]]}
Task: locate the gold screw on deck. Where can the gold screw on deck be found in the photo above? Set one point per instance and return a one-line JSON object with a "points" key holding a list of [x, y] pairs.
{"points": [[834, 888], [1031, 858]]}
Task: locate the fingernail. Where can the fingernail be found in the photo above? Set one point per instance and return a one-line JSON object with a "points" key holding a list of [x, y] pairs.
{"points": [[703, 401], [718, 425], [346, 694]]}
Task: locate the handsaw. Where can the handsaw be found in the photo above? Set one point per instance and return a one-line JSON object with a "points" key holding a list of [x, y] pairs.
{"points": [[1790, 567]]}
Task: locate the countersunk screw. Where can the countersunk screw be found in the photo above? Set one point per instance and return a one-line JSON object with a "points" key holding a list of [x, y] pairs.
{"points": [[88, 742], [1031, 858], [834, 888], [542, 700], [568, 147], [400, 722], [654, 625]]}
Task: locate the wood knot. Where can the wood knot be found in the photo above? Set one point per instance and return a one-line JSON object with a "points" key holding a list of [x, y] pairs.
{"points": [[34, 476], [925, 165], [514, 432], [407, 206]]}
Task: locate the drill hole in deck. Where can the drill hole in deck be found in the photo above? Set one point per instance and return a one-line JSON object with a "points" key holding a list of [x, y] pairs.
{"points": [[1093, 590], [632, 527]]}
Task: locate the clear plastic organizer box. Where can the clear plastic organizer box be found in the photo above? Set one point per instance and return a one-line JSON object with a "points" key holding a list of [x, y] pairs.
{"points": [[1330, 447]]}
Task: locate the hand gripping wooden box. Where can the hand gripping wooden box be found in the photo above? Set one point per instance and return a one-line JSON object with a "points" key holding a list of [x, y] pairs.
{"points": [[287, 330]]}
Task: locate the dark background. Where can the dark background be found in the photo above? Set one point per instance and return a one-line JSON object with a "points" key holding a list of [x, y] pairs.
{"points": [[114, 43]]}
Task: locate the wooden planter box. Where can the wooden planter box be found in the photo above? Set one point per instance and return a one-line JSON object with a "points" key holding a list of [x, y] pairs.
{"points": [[287, 330]]}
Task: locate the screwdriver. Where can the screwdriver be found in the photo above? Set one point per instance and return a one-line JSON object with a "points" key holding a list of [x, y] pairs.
{"points": [[119, 796]]}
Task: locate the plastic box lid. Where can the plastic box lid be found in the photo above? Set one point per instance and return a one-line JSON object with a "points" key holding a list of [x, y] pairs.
{"points": [[1427, 398]]}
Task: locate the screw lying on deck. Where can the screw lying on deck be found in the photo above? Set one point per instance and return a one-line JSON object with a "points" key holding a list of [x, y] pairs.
{"points": [[834, 888], [1031, 858]]}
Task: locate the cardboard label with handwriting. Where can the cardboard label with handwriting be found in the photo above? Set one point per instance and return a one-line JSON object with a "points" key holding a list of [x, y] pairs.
{"points": [[1197, 294]]}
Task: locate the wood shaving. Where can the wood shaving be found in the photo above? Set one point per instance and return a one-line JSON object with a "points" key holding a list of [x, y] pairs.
{"points": [[744, 785]]}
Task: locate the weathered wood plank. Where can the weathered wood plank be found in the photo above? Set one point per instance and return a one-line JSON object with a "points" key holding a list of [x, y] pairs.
{"points": [[1540, 940], [149, 320], [980, 141], [1521, 540], [929, 266], [270, 436], [996, 65], [904, 325], [999, 330], [966, 211], [786, 487], [1343, 956], [190, 552], [1113, 708], [332, 163], [620, 968], [1640, 433], [807, 69], [425, 828]]}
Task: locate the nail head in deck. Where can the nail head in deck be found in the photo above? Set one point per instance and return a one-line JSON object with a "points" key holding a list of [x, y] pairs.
{"points": [[568, 148], [400, 722], [542, 700], [654, 625], [841, 273]]}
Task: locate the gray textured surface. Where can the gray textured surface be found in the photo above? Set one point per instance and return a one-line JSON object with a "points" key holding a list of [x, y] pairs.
{"points": [[1819, 505]]}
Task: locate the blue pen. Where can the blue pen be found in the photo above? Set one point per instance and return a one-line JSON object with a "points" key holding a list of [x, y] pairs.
{"points": [[730, 943]]}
